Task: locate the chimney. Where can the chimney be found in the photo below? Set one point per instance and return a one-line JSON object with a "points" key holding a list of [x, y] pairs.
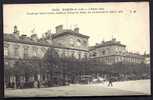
{"points": [[23, 36], [59, 28], [16, 32], [113, 39], [97, 43], [15, 29], [102, 41], [76, 30], [34, 37]]}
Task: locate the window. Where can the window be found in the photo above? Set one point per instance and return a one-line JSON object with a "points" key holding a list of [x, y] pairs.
{"points": [[6, 51], [103, 52], [73, 54], [35, 50], [6, 63], [16, 52], [71, 41], [43, 50], [78, 40], [94, 54], [84, 42], [60, 52], [79, 55], [85, 55], [26, 51], [78, 43], [63, 54]]}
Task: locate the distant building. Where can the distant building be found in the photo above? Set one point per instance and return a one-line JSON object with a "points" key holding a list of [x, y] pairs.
{"points": [[110, 52], [147, 58]]}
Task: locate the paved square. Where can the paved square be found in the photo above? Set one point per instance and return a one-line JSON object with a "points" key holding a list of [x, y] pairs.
{"points": [[139, 87]]}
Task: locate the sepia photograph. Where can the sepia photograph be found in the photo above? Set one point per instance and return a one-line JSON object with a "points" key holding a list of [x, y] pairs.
{"points": [[76, 49]]}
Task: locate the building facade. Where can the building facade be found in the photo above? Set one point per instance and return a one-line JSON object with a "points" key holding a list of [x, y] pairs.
{"points": [[67, 43], [110, 52]]}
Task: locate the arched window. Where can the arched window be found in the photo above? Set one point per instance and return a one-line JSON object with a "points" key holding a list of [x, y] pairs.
{"points": [[78, 43]]}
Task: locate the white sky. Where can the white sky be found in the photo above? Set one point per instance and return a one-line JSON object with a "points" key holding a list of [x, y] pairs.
{"points": [[132, 29]]}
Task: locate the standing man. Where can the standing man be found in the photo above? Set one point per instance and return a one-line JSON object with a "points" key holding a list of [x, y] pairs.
{"points": [[110, 81]]}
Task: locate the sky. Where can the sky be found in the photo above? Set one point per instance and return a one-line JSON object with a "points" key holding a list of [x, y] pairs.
{"points": [[127, 22]]}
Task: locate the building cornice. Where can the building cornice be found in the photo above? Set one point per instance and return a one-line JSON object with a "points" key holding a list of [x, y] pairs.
{"points": [[140, 56]]}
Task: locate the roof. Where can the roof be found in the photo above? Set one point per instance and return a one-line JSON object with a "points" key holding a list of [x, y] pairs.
{"points": [[107, 43], [65, 32]]}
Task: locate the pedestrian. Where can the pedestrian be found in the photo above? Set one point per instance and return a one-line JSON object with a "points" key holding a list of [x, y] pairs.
{"points": [[35, 84], [22, 84], [110, 82], [38, 84]]}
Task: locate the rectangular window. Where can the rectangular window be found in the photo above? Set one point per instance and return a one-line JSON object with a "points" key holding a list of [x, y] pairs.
{"points": [[6, 51], [35, 50], [63, 54], [79, 55], [72, 54], [26, 52], [85, 55], [16, 51]]}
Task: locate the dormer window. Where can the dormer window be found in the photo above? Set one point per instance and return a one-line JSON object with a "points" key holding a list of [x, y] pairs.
{"points": [[78, 43], [84, 42], [94, 54]]}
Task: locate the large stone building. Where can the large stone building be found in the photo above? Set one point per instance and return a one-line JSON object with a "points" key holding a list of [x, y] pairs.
{"points": [[110, 52], [67, 43]]}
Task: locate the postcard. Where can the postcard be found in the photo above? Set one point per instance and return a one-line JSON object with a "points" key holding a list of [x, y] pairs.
{"points": [[76, 49]]}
